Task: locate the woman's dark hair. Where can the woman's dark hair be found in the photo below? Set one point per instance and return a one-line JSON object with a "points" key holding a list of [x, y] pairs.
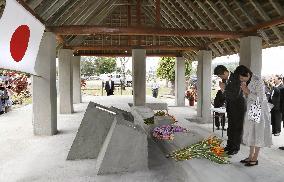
{"points": [[220, 70], [242, 71]]}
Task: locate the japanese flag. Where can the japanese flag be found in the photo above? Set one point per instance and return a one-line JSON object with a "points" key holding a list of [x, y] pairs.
{"points": [[20, 36]]}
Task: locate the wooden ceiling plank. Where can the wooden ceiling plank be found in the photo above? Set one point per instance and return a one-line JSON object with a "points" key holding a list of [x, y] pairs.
{"points": [[180, 20], [164, 22], [192, 15], [84, 14], [179, 10], [72, 14], [209, 14], [97, 19], [35, 3], [167, 16], [53, 9], [277, 7], [217, 11], [220, 15], [206, 22], [233, 15], [251, 20], [63, 13], [167, 22], [267, 18]]}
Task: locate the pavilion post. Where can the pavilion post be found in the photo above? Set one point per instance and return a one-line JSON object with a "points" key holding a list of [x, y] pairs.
{"points": [[44, 88], [204, 75], [251, 53], [66, 81]]}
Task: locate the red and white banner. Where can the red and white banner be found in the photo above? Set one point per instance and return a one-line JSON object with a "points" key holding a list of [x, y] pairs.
{"points": [[20, 36]]}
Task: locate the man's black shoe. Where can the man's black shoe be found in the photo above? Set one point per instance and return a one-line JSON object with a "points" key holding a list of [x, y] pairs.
{"points": [[232, 152], [227, 149], [281, 148], [1, 112]]}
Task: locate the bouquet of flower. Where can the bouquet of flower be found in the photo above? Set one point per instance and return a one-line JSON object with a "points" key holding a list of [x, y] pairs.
{"points": [[166, 132], [160, 113], [208, 148], [149, 121], [163, 113], [190, 94]]}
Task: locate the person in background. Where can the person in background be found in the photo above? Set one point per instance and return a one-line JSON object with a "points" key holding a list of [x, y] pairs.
{"points": [[235, 107], [155, 88], [2, 90], [219, 101], [268, 88], [276, 115], [109, 86], [255, 134]]}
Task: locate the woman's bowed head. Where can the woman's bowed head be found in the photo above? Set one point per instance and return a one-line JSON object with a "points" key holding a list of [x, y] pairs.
{"points": [[244, 76]]}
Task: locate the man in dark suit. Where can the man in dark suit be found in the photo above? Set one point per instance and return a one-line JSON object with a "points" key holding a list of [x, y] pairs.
{"points": [[282, 106], [219, 101], [276, 115], [109, 86], [235, 107]]}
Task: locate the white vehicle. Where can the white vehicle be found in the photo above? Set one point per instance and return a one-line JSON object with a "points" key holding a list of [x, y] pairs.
{"points": [[117, 78]]}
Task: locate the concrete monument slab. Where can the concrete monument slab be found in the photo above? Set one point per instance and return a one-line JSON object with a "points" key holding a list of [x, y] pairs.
{"points": [[124, 150], [91, 133]]}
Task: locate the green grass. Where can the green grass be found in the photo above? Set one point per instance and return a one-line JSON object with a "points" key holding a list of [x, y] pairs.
{"points": [[97, 91]]}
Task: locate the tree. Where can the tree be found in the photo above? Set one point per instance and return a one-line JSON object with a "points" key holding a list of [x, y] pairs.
{"points": [[88, 66], [123, 62], [95, 66], [106, 65], [166, 70]]}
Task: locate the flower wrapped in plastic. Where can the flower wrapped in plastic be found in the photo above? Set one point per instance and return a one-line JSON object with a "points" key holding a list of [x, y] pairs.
{"points": [[209, 148], [163, 113], [166, 132]]}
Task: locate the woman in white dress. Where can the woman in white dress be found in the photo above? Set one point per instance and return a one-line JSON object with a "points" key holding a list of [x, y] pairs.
{"points": [[255, 134]]}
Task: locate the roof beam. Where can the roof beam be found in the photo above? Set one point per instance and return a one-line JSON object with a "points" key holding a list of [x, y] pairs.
{"points": [[127, 54], [265, 25], [116, 48], [94, 29]]}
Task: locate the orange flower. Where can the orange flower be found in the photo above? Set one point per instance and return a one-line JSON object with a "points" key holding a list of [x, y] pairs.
{"points": [[218, 150]]}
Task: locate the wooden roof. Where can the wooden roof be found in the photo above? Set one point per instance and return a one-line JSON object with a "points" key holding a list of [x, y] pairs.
{"points": [[162, 27]]}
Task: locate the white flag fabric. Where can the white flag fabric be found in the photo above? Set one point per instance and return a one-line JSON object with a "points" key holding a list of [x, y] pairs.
{"points": [[20, 36]]}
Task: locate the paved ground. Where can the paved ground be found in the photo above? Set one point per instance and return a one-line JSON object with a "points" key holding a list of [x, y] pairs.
{"points": [[26, 158]]}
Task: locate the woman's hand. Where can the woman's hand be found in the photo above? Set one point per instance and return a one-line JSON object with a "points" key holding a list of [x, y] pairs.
{"points": [[244, 88]]}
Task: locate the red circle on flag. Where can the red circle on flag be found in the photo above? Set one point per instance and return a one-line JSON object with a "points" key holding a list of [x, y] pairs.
{"points": [[19, 42]]}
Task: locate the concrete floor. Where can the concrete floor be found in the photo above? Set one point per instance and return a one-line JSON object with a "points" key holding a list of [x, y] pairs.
{"points": [[26, 158]]}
